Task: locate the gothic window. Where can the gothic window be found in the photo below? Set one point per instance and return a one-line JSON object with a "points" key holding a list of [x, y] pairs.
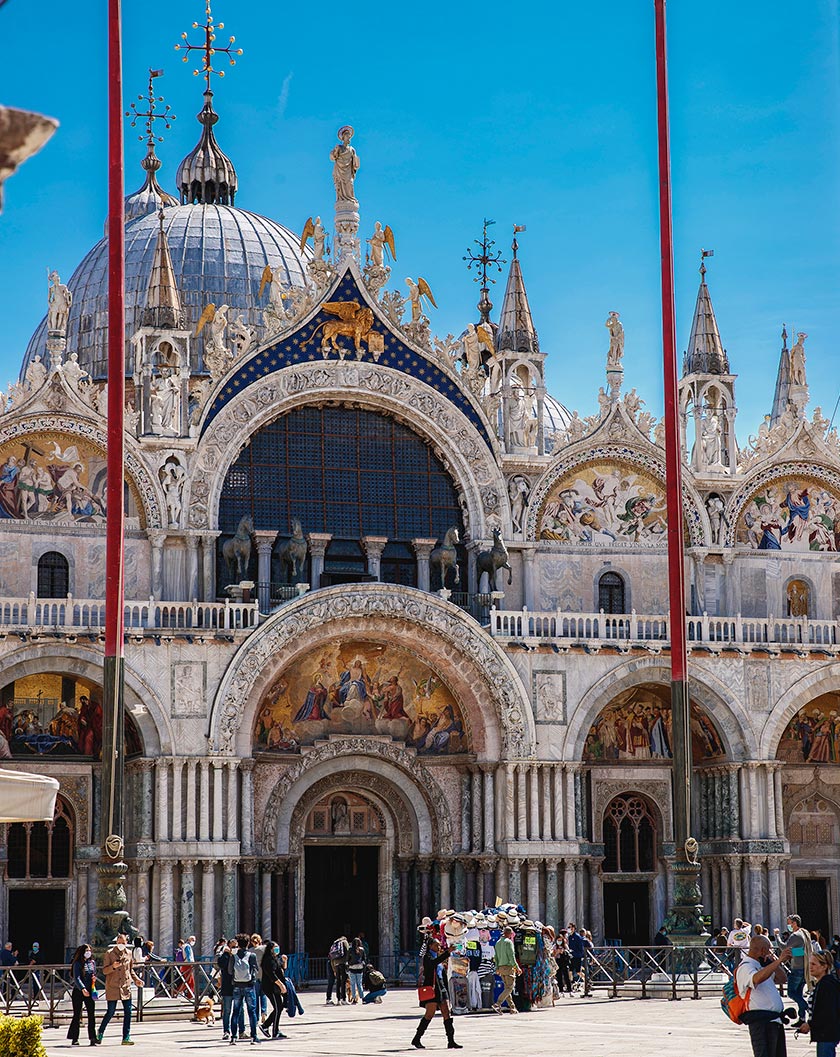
{"points": [[42, 849], [629, 836], [53, 575], [798, 598], [611, 593]]}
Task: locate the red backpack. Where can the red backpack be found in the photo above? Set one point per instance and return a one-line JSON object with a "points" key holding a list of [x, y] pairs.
{"points": [[732, 1003]]}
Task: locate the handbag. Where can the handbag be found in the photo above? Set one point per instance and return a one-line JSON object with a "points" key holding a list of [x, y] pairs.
{"points": [[426, 994]]}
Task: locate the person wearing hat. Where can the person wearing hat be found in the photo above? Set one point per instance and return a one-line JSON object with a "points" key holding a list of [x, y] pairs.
{"points": [[508, 969], [435, 983], [118, 970]]}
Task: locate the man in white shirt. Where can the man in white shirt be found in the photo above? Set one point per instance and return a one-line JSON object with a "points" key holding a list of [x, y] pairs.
{"points": [[755, 973], [739, 940]]}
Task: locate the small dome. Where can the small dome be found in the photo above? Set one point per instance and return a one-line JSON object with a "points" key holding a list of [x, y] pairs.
{"points": [[151, 195], [218, 255], [556, 418], [207, 174]]}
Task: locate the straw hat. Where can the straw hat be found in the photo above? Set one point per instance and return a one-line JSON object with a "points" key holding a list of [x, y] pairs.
{"points": [[426, 923]]}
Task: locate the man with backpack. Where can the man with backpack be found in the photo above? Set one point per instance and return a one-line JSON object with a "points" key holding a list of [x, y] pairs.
{"points": [[337, 957], [764, 1006], [243, 970]]}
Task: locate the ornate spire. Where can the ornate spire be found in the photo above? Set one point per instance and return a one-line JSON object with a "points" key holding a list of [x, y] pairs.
{"points": [[151, 196], [705, 353], [207, 175], [781, 397], [163, 302], [516, 331], [483, 260]]}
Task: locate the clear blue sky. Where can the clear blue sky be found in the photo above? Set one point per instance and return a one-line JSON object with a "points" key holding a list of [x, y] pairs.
{"points": [[539, 114]]}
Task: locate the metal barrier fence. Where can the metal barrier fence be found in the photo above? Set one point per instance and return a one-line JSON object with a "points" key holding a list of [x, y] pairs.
{"points": [[650, 972]]}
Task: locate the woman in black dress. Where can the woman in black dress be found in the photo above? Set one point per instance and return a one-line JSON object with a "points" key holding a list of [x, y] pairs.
{"points": [[83, 971], [274, 988], [434, 976]]}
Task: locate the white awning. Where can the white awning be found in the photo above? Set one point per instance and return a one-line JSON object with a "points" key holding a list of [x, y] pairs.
{"points": [[26, 797]]}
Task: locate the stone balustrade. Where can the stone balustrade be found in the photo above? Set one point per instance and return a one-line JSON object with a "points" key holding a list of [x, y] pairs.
{"points": [[88, 614]]}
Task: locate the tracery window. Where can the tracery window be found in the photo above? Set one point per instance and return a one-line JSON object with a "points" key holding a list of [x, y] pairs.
{"points": [[611, 593], [42, 849], [629, 836], [53, 575]]}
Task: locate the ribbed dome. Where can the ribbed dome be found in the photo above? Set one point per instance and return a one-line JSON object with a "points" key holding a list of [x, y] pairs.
{"points": [[218, 254], [556, 418]]}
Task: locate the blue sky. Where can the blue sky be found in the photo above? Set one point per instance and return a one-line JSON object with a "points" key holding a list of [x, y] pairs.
{"points": [[535, 114]]}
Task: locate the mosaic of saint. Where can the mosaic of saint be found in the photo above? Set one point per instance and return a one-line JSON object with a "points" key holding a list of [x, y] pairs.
{"points": [[360, 687], [637, 726], [604, 503], [797, 514], [813, 735], [55, 715], [54, 477]]}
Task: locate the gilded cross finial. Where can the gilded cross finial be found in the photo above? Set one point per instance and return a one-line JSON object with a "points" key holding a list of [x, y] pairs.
{"points": [[150, 113], [209, 48], [484, 260]]}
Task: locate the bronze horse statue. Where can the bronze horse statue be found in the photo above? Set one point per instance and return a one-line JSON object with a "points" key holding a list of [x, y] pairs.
{"points": [[445, 557], [237, 551], [293, 552], [491, 561]]}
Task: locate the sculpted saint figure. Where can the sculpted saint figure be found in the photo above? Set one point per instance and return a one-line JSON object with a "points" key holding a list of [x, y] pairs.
{"points": [[345, 165], [797, 360], [60, 300], [36, 374], [616, 349]]}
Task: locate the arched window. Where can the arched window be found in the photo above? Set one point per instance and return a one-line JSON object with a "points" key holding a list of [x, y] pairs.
{"points": [[611, 593], [798, 598], [53, 575], [42, 849], [629, 836]]}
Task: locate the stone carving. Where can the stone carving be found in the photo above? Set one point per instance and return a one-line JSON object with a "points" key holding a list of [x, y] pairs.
{"points": [[74, 374], [518, 492], [632, 402], [445, 557], [237, 550], [189, 688], [419, 776], [172, 477], [243, 335], [616, 349], [352, 320], [797, 361], [522, 421], [131, 418], [419, 612], [345, 166], [36, 375], [550, 697], [493, 560], [378, 242], [393, 304], [199, 392], [315, 231], [165, 404], [59, 300], [417, 291], [715, 507]]}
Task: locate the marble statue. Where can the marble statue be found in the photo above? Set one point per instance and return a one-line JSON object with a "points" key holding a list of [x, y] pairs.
{"points": [[73, 372], [416, 291], [715, 508], [172, 476], [474, 338], [379, 240], [518, 491], [632, 402], [712, 440], [345, 165], [60, 299], [314, 230], [797, 361], [131, 418], [216, 353], [616, 349], [164, 399], [603, 402], [99, 400], [523, 425], [243, 335], [36, 374]]}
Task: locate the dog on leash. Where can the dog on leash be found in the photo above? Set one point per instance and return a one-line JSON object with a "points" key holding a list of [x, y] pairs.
{"points": [[205, 1012]]}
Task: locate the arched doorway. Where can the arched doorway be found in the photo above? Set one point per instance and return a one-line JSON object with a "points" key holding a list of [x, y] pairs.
{"points": [[814, 835], [630, 831]]}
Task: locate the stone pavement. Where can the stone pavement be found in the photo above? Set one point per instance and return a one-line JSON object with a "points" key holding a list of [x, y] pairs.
{"points": [[587, 1027]]}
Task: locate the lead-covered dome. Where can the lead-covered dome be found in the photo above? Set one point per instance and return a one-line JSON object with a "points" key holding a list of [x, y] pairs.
{"points": [[218, 255]]}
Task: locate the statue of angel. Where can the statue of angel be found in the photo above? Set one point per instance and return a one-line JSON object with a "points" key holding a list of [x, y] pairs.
{"points": [[345, 165], [415, 292], [216, 353], [474, 338], [380, 241], [314, 230], [60, 299], [242, 334]]}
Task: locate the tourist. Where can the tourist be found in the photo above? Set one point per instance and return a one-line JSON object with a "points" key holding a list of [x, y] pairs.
{"points": [[83, 973], [189, 972], [224, 960], [355, 967], [374, 983], [578, 946], [835, 950], [739, 940], [34, 959], [434, 993], [799, 945], [661, 938], [563, 957], [244, 972], [823, 1022], [258, 947], [816, 946], [7, 956], [508, 969], [118, 970], [755, 972], [273, 988], [339, 950]]}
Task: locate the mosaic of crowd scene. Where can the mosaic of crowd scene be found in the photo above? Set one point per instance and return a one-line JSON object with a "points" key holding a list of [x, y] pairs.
{"points": [[813, 735], [791, 515]]}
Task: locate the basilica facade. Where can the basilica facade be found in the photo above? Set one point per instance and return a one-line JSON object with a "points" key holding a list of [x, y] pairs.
{"points": [[396, 621]]}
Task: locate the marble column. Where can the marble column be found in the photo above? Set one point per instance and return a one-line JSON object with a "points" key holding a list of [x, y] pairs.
{"points": [[779, 802], [502, 880], [278, 926], [218, 772], [248, 878], [534, 821], [204, 806], [247, 838], [487, 895], [552, 910], [579, 898], [191, 828], [291, 903], [595, 919], [265, 900], [734, 802], [777, 912], [529, 578], [559, 827], [784, 902], [706, 884], [140, 914], [445, 874], [318, 543], [547, 823], [569, 777], [231, 828], [162, 811], [522, 802], [165, 942], [533, 889], [192, 567], [207, 939], [265, 545], [726, 911], [487, 770], [754, 800], [82, 911], [423, 549], [515, 880], [477, 808], [187, 919], [157, 540], [466, 811], [208, 566], [755, 908], [715, 909], [424, 868], [746, 810], [147, 800], [510, 813], [738, 908], [230, 915], [177, 810], [569, 894], [373, 547], [406, 933]]}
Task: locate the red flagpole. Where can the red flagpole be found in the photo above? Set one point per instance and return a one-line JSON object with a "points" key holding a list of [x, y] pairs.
{"points": [[673, 460]]}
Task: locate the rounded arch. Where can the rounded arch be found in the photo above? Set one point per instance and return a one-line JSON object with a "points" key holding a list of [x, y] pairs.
{"points": [[142, 702], [609, 570], [799, 593], [646, 461], [145, 482], [804, 690], [390, 773], [438, 632], [455, 439], [706, 691]]}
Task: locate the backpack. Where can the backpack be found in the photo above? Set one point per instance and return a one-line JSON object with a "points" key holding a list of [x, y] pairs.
{"points": [[732, 1004], [337, 951], [241, 969], [376, 981]]}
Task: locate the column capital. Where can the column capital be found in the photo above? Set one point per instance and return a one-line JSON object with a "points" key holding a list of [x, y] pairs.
{"points": [[487, 767], [374, 545], [137, 865], [217, 762], [318, 543], [423, 547], [424, 864], [144, 764], [208, 865], [165, 866], [552, 863], [156, 537], [249, 866], [514, 863], [187, 864], [209, 538], [192, 541], [229, 865], [265, 541], [247, 764], [404, 863]]}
